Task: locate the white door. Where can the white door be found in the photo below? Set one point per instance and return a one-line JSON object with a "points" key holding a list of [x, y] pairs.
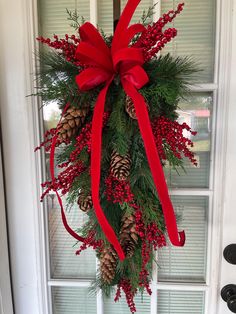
{"points": [[47, 281], [228, 270]]}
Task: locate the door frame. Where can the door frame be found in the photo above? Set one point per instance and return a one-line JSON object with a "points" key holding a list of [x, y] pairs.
{"points": [[21, 129], [6, 302]]}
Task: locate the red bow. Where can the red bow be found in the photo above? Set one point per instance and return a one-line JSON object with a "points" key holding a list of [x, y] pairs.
{"points": [[103, 65]]}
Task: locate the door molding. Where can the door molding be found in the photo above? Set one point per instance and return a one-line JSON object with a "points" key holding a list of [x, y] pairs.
{"points": [[6, 305]]}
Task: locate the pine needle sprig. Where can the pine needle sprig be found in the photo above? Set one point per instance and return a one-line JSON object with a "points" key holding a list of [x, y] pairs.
{"points": [[148, 14], [75, 18]]}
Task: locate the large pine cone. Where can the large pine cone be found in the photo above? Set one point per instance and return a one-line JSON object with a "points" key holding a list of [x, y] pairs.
{"points": [[108, 262], [71, 121], [120, 166], [85, 202], [128, 235]]}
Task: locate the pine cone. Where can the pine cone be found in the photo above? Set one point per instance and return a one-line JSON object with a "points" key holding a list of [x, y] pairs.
{"points": [[120, 166], [85, 202], [128, 235], [108, 262], [71, 121], [129, 107]]}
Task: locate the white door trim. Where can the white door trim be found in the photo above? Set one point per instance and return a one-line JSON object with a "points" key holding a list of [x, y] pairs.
{"points": [[6, 306], [20, 135]]}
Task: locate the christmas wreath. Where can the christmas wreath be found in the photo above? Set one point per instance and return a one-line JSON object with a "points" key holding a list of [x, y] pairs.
{"points": [[118, 129]]}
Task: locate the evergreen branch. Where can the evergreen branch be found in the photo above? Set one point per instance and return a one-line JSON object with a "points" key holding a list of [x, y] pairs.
{"points": [[76, 19], [148, 14]]}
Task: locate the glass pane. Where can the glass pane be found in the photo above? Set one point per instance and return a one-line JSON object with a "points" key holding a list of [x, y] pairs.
{"points": [[142, 305], [196, 111], [53, 16], [73, 300], [64, 262], [180, 302], [196, 33], [187, 264]]}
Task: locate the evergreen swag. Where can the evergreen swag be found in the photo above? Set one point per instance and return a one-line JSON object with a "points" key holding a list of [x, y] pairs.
{"points": [[127, 191]]}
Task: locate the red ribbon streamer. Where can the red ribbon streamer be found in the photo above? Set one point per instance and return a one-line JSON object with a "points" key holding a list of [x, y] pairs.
{"points": [[103, 64]]}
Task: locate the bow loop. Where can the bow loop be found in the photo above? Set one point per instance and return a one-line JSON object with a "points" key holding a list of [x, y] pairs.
{"points": [[136, 76], [88, 33], [91, 78], [93, 56], [126, 58]]}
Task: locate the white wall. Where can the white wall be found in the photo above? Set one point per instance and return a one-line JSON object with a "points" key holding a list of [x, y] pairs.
{"points": [[17, 126]]}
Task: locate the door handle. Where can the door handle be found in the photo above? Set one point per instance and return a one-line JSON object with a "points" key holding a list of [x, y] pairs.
{"points": [[228, 294], [230, 254]]}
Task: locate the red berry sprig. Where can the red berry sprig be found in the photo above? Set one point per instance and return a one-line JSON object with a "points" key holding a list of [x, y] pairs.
{"points": [[118, 191], [66, 45], [65, 179], [170, 133], [129, 292], [154, 38], [90, 241]]}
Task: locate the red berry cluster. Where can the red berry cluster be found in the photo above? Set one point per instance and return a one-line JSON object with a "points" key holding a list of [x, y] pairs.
{"points": [[67, 46], [90, 241], [146, 251], [169, 136], [48, 136], [64, 180], [154, 38], [84, 138], [139, 224], [118, 191], [129, 292], [144, 274], [155, 236], [151, 237]]}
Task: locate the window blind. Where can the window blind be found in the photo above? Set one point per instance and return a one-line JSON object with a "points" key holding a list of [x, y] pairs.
{"points": [[196, 33], [187, 264], [142, 304], [53, 16], [180, 302], [68, 300], [105, 16], [64, 262]]}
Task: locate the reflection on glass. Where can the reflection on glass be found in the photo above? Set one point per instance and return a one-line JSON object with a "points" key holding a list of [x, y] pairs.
{"points": [[64, 262], [180, 302], [73, 300], [188, 263], [196, 111]]}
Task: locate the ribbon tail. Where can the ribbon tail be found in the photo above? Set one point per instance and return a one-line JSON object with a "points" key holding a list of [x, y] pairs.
{"points": [[176, 238], [96, 148], [52, 172]]}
